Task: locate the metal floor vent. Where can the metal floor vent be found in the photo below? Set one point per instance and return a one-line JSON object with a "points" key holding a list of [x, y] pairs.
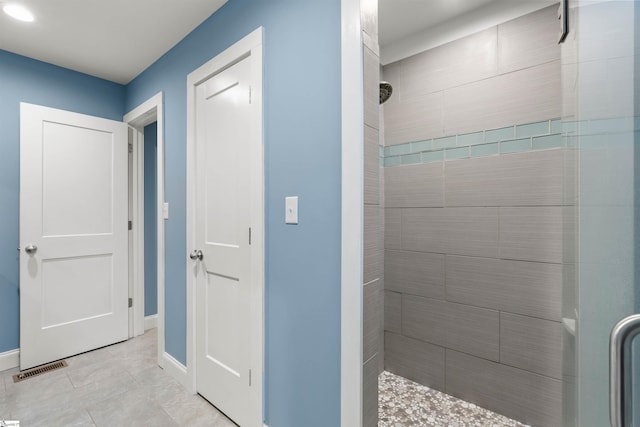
{"points": [[34, 372]]}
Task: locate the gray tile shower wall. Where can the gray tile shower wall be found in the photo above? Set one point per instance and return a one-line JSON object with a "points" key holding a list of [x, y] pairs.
{"points": [[504, 75], [474, 215], [372, 268]]}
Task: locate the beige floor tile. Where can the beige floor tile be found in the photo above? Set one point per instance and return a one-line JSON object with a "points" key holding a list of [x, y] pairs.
{"points": [[96, 372], [62, 418], [192, 410], [4, 408], [39, 389], [119, 385], [129, 409]]}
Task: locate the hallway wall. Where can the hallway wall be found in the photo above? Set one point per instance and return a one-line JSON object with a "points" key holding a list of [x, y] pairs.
{"points": [[474, 208], [27, 80], [302, 151]]}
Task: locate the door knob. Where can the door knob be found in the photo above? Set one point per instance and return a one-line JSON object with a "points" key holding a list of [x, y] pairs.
{"points": [[31, 249], [196, 255]]}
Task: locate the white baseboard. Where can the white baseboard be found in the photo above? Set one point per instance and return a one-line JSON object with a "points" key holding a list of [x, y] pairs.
{"points": [[150, 322], [9, 359], [176, 369]]}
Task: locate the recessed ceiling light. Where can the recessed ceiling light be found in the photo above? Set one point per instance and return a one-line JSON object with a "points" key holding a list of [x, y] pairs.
{"points": [[18, 12]]}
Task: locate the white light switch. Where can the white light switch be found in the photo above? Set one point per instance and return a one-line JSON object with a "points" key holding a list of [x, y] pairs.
{"points": [[165, 210], [291, 210]]}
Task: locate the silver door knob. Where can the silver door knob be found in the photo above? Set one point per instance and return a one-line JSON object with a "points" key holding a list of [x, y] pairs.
{"points": [[196, 255], [31, 249]]}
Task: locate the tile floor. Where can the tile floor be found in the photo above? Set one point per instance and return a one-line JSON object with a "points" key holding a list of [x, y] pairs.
{"points": [[403, 403], [120, 385]]}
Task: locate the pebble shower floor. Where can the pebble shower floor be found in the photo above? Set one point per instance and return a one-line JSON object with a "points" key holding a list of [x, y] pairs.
{"points": [[403, 403]]}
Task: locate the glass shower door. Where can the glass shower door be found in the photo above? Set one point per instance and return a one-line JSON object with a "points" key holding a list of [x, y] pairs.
{"points": [[600, 129]]}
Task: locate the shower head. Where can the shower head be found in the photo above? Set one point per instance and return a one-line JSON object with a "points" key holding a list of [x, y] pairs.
{"points": [[385, 92]]}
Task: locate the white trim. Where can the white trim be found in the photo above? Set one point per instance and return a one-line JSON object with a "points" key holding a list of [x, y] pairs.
{"points": [[137, 217], [9, 359], [150, 322], [138, 234], [176, 370], [132, 134], [251, 45], [148, 112], [352, 223]]}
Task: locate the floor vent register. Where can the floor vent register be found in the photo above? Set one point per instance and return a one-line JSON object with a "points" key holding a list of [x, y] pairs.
{"points": [[39, 370]]}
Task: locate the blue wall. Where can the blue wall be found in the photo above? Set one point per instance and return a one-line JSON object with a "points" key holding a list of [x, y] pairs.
{"points": [[302, 157], [150, 220], [26, 80]]}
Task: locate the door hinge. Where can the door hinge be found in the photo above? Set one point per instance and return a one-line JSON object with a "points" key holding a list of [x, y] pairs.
{"points": [[130, 147], [249, 377], [130, 225], [249, 94], [249, 235], [130, 302]]}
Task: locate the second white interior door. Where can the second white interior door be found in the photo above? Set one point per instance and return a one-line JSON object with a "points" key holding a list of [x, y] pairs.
{"points": [[223, 235]]}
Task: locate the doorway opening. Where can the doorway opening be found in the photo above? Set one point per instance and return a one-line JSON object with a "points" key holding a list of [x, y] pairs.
{"points": [[147, 212]]}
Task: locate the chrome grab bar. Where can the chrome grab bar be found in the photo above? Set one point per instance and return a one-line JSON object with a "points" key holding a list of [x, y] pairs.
{"points": [[622, 336]]}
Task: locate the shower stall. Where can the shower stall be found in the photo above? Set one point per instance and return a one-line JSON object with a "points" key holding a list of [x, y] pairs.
{"points": [[499, 213]]}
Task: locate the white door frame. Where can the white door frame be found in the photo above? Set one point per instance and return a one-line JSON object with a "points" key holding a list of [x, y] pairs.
{"points": [[146, 113], [136, 233], [352, 222], [250, 45]]}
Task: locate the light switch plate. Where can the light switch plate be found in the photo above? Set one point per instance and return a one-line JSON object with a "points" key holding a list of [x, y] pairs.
{"points": [[291, 210]]}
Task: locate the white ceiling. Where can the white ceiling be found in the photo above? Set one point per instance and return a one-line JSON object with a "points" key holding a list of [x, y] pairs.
{"points": [[114, 39], [118, 39]]}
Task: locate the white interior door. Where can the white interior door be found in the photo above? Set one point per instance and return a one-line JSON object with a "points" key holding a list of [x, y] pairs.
{"points": [[223, 203], [73, 234]]}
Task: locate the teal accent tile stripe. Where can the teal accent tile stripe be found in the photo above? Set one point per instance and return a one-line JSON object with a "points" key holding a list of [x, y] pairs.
{"points": [[624, 124], [380, 151], [392, 161], [544, 135], [583, 127], [446, 142], [532, 129], [411, 159], [398, 150], [496, 135], [432, 156], [417, 147], [485, 150], [515, 146], [546, 142], [470, 139], [569, 127], [457, 153]]}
